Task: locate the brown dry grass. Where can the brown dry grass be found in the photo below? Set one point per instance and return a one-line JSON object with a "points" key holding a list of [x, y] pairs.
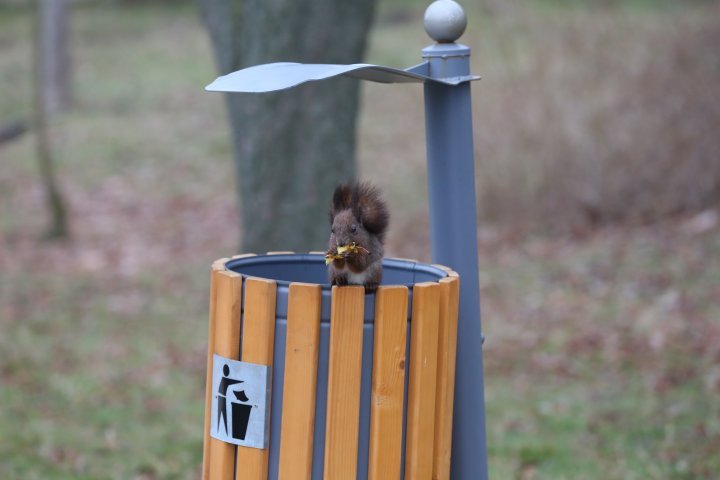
{"points": [[587, 117], [603, 118]]}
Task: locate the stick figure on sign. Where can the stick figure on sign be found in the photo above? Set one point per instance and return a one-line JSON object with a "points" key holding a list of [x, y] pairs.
{"points": [[225, 383]]}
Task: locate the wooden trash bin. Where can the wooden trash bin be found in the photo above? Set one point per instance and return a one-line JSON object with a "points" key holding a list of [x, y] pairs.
{"points": [[361, 384]]}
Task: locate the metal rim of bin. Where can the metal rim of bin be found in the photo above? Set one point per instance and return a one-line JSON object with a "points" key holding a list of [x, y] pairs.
{"points": [[247, 264]]}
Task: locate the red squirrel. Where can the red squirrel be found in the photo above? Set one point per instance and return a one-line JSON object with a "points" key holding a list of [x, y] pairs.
{"points": [[359, 219]]}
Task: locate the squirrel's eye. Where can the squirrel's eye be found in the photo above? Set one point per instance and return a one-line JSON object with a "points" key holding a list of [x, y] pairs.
{"points": [[332, 230], [353, 228]]}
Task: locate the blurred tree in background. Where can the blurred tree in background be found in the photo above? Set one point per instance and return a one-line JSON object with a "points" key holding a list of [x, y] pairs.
{"points": [[53, 94], [291, 148], [55, 61]]}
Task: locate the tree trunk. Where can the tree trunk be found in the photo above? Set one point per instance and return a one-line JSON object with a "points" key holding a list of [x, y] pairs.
{"points": [[55, 67], [45, 57], [291, 147]]}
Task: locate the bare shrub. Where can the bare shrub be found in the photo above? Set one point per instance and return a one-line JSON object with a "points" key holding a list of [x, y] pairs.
{"points": [[594, 116]]}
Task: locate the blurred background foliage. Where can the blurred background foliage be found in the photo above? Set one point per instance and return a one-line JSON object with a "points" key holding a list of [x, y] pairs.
{"points": [[598, 174]]}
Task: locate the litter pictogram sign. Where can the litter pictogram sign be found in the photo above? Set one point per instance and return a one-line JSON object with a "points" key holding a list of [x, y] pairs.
{"points": [[239, 409]]}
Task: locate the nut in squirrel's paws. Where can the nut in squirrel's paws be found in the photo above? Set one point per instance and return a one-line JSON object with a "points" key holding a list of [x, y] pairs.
{"points": [[345, 251]]}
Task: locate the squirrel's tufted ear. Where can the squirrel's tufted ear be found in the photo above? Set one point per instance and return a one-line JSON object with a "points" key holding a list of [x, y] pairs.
{"points": [[369, 208], [342, 200], [355, 202]]}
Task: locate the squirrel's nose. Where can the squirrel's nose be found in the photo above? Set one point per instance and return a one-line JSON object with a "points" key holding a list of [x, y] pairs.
{"points": [[341, 243]]}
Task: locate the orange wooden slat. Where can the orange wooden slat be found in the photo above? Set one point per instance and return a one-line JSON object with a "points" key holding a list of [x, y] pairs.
{"points": [[343, 400], [258, 339], [388, 383], [208, 380], [442, 267], [447, 343], [226, 342], [301, 360], [421, 390], [243, 255], [219, 264]]}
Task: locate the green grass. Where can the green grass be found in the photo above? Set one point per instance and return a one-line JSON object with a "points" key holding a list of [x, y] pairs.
{"points": [[601, 359], [602, 365]]}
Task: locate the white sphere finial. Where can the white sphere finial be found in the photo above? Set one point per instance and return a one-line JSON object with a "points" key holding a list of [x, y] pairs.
{"points": [[445, 21]]}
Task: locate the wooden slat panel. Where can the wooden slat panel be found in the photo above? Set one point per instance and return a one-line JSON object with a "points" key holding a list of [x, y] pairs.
{"points": [[442, 267], [258, 339], [219, 264], [343, 400], [301, 359], [208, 380], [243, 255], [226, 343], [447, 342], [421, 391], [388, 383]]}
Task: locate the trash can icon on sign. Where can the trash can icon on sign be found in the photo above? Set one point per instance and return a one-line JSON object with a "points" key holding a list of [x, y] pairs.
{"points": [[240, 406]]}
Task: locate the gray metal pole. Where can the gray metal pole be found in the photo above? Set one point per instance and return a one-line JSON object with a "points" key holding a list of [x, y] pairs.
{"points": [[453, 222]]}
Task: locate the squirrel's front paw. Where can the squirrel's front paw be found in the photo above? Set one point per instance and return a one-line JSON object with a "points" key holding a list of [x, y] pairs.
{"points": [[371, 287]]}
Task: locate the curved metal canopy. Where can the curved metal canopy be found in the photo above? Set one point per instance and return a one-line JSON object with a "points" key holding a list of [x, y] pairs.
{"points": [[278, 76]]}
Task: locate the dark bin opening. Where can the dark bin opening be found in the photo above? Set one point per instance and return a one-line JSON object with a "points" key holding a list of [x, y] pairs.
{"points": [[311, 268]]}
